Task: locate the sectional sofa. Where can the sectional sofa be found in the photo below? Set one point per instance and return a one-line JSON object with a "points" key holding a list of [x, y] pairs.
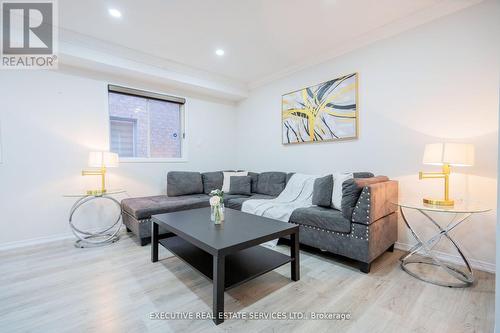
{"points": [[363, 229]]}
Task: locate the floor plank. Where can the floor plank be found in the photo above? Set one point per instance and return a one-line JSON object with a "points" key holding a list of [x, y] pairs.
{"points": [[59, 288]]}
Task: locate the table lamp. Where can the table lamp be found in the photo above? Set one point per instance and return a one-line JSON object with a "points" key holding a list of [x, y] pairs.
{"points": [[101, 160], [446, 155]]}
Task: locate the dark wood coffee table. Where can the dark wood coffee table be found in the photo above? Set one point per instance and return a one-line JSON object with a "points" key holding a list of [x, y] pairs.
{"points": [[229, 254]]}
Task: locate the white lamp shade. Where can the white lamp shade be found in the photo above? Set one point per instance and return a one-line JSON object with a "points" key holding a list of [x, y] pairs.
{"points": [[98, 159], [456, 154]]}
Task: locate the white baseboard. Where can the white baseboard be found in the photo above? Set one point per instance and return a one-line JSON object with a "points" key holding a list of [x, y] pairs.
{"points": [[454, 259], [34, 241]]}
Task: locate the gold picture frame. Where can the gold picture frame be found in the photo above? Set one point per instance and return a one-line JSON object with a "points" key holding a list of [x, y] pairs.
{"points": [[330, 109]]}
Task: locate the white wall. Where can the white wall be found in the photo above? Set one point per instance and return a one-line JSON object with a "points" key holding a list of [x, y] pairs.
{"points": [[497, 276], [49, 123], [437, 82]]}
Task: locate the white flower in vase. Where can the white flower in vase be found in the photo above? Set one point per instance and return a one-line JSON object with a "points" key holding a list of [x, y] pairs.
{"points": [[215, 200]]}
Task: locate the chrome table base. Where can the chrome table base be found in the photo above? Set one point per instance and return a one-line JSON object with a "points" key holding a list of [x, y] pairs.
{"points": [[100, 237], [464, 278]]}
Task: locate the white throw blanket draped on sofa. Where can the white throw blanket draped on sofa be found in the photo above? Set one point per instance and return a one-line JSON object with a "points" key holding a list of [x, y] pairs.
{"points": [[297, 194]]}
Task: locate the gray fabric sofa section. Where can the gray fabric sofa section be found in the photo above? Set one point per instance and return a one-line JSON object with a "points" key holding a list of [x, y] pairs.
{"points": [[140, 228], [229, 197], [255, 179], [376, 201], [236, 203], [363, 175], [141, 208], [364, 243], [271, 183], [321, 217], [183, 183], [212, 181]]}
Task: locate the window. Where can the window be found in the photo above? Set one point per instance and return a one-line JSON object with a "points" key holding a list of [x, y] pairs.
{"points": [[144, 124]]}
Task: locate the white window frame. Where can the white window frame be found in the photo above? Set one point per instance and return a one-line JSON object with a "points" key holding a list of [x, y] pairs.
{"points": [[147, 94]]}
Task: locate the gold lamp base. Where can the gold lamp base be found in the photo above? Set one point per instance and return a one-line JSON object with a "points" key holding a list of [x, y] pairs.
{"points": [[96, 192], [100, 172], [445, 174], [437, 202]]}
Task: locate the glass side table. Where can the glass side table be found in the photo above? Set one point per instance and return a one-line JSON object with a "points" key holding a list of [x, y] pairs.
{"points": [[421, 253], [102, 237]]}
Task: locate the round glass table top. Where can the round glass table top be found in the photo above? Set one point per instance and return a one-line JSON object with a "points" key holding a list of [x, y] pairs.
{"points": [[94, 193], [459, 207]]}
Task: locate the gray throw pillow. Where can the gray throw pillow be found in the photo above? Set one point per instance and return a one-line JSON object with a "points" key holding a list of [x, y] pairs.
{"points": [[240, 185], [350, 195], [362, 175], [212, 181], [255, 179], [271, 183], [322, 191]]}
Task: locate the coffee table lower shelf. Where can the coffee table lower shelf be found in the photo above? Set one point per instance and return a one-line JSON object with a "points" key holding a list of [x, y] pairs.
{"points": [[240, 267]]}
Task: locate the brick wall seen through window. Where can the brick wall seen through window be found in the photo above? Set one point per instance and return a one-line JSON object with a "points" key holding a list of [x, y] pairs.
{"points": [[144, 127]]}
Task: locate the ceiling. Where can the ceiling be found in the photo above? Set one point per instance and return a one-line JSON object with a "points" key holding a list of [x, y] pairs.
{"points": [[262, 39]]}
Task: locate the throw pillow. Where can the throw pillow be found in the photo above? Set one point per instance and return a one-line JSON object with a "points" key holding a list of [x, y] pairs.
{"points": [[350, 195], [351, 190], [322, 191], [338, 180], [255, 179], [240, 185], [212, 181], [227, 179], [271, 183], [363, 175]]}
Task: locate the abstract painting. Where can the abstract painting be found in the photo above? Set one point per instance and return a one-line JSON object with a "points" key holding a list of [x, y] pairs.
{"points": [[324, 112]]}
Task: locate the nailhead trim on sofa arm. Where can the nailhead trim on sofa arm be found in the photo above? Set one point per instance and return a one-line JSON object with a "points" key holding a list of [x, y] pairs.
{"points": [[351, 234], [375, 202]]}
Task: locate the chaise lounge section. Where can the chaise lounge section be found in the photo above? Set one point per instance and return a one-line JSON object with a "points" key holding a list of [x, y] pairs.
{"points": [[365, 228]]}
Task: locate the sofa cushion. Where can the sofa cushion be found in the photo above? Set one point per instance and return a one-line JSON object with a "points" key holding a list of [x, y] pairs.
{"points": [[240, 185], [322, 191], [351, 190], [363, 175], [255, 179], [183, 183], [212, 181], [321, 217], [142, 208], [271, 183], [338, 181], [226, 182], [236, 203], [229, 197], [350, 195]]}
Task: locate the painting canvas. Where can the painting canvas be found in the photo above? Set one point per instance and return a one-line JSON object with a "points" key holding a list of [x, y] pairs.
{"points": [[324, 112]]}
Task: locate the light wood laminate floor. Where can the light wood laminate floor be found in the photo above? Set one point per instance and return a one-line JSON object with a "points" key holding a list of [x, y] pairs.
{"points": [[58, 288]]}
